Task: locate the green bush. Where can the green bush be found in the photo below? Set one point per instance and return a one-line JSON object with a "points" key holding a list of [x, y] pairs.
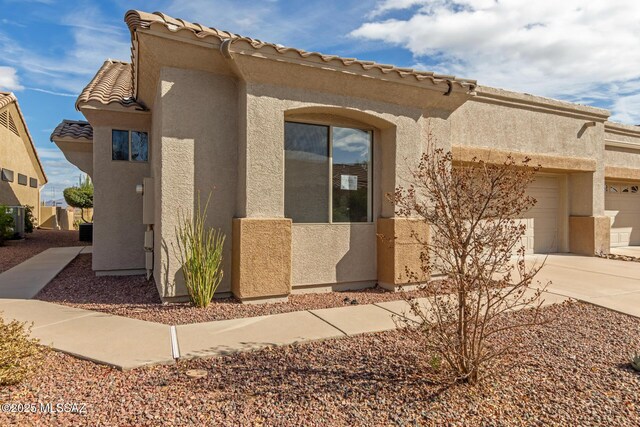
{"points": [[6, 225], [200, 253], [20, 355], [80, 197], [29, 219]]}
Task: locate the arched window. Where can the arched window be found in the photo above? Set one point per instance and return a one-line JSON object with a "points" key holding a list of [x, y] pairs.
{"points": [[328, 173]]}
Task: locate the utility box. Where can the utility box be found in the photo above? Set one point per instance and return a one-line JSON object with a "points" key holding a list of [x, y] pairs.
{"points": [[17, 212], [86, 232]]}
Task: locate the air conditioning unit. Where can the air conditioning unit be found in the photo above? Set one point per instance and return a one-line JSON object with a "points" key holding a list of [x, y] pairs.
{"points": [[17, 212]]}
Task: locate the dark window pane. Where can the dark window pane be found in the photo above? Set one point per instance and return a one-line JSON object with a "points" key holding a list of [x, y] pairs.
{"points": [[120, 145], [139, 146], [351, 175], [306, 177], [33, 182], [7, 175], [22, 179]]}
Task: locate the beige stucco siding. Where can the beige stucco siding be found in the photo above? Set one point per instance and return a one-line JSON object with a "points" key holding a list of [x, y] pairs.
{"points": [[622, 157], [197, 153], [622, 151], [118, 231], [327, 253], [333, 253], [522, 125], [15, 156], [400, 131]]}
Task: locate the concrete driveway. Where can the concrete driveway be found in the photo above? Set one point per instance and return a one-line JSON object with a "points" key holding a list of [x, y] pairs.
{"points": [[609, 283]]}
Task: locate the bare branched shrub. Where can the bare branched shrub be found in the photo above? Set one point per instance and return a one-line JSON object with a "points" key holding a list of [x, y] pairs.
{"points": [[199, 249], [476, 244], [20, 355]]}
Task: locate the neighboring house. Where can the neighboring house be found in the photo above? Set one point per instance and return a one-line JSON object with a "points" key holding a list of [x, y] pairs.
{"points": [[268, 129], [21, 173]]}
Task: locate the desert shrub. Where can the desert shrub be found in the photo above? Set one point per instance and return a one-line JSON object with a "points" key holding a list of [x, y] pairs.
{"points": [[475, 242], [20, 355], [29, 219], [80, 197], [199, 249], [6, 225]]}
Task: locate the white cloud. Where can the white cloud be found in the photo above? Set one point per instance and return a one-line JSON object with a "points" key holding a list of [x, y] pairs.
{"points": [[570, 49], [390, 5], [9, 79], [303, 24], [68, 73], [347, 140], [627, 109], [60, 172]]}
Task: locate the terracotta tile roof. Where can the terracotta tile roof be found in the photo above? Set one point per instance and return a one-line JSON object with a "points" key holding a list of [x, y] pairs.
{"points": [[7, 98], [76, 129], [137, 19], [113, 84]]}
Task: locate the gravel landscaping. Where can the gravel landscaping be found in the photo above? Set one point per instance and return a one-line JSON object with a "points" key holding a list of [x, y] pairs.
{"points": [[134, 296], [17, 251], [573, 371]]}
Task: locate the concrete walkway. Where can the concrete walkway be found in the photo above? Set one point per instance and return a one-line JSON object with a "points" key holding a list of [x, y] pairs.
{"points": [[25, 280], [608, 283], [633, 251], [128, 343]]}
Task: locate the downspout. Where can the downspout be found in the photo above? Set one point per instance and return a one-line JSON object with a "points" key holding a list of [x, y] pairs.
{"points": [[470, 92], [450, 84], [225, 48]]}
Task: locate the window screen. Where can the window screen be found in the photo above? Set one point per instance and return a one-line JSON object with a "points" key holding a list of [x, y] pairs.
{"points": [[139, 146], [7, 175], [120, 145], [306, 177]]}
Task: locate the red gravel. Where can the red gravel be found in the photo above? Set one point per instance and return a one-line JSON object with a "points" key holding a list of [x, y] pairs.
{"points": [[133, 296], [573, 371], [15, 252]]}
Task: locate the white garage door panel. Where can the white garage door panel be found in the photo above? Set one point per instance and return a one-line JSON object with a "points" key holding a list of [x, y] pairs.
{"points": [[543, 219], [624, 210]]}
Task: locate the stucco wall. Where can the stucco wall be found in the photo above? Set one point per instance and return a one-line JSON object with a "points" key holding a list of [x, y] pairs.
{"points": [[326, 253], [622, 157], [506, 121], [15, 156], [332, 253], [622, 151], [118, 231], [400, 140], [198, 153]]}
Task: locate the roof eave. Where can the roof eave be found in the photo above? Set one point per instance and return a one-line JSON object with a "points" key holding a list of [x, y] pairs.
{"points": [[180, 29], [111, 106]]}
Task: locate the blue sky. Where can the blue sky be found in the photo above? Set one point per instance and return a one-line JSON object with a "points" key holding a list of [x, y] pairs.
{"points": [[586, 52]]}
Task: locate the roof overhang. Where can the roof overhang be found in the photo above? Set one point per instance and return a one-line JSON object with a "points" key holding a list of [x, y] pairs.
{"points": [[231, 45]]}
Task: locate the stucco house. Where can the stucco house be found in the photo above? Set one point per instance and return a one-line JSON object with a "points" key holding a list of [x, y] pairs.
{"points": [[299, 149], [21, 173]]}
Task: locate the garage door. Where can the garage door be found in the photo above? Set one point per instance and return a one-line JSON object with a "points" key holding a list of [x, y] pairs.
{"points": [[543, 219], [622, 205]]}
